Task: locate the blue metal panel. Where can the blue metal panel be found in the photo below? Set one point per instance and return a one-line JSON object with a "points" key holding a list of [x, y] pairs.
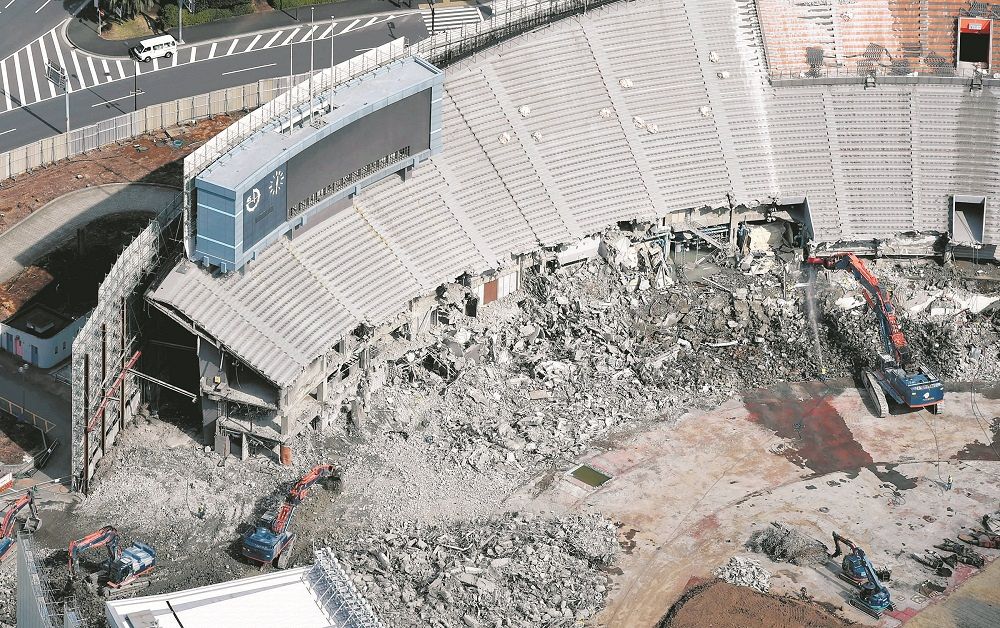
{"points": [[216, 234]]}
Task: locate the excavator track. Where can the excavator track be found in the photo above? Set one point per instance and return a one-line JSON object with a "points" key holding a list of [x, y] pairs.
{"points": [[875, 391]]}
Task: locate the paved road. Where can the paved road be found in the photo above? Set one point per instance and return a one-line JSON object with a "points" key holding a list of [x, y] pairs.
{"points": [[190, 73], [21, 21]]}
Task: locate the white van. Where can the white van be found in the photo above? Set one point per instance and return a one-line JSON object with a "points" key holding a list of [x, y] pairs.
{"points": [[154, 48]]}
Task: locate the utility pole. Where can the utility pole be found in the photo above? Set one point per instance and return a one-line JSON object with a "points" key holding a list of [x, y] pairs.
{"points": [[333, 61], [290, 71], [135, 88], [180, 21], [56, 75], [100, 26], [312, 47]]}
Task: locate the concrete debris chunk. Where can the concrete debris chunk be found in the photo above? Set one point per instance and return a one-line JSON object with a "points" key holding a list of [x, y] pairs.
{"points": [[536, 568], [745, 572], [784, 544]]}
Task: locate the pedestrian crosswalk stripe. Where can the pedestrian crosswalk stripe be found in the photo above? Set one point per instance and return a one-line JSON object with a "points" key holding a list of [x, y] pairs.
{"points": [[45, 68], [93, 72], [285, 43], [6, 85], [79, 73], [348, 28], [271, 41], [253, 43], [450, 19], [23, 74], [34, 80], [20, 81]]}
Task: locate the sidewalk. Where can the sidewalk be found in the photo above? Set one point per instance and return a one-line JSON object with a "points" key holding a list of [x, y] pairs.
{"points": [[82, 33]]}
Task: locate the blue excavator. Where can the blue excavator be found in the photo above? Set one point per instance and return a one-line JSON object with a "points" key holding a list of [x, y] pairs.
{"points": [[857, 570], [271, 540], [8, 524], [123, 566], [897, 376]]}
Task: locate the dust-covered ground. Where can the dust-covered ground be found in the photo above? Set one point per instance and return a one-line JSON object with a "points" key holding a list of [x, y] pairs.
{"points": [[472, 411]]}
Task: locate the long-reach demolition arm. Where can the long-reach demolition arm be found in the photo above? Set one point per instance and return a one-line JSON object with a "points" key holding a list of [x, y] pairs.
{"points": [[893, 341]]}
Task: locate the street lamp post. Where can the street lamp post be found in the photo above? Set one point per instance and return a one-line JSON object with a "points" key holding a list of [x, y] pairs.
{"points": [[312, 47], [24, 389], [57, 75], [333, 61]]}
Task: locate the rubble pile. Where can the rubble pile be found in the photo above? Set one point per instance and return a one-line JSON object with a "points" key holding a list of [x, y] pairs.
{"points": [[745, 572], [517, 569], [8, 597], [627, 338], [783, 544], [588, 349], [950, 317], [164, 486]]}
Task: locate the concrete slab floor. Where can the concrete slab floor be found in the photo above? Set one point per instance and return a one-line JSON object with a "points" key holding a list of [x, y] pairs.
{"points": [[810, 456]]}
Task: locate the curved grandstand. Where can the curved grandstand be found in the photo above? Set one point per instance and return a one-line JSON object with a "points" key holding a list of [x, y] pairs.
{"points": [[635, 111]]}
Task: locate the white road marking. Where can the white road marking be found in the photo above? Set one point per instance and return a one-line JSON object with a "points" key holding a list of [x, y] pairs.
{"points": [[9, 130], [41, 7], [271, 41], [211, 51], [327, 31], [253, 43], [194, 54], [34, 76], [108, 102], [121, 69], [79, 72], [232, 47], [20, 83], [8, 4], [370, 22], [257, 67], [349, 27], [173, 61], [156, 64], [45, 60], [285, 43], [307, 35], [107, 68], [137, 70], [6, 86], [93, 71], [62, 61]]}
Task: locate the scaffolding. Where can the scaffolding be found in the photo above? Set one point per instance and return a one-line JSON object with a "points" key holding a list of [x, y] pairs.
{"points": [[36, 607], [104, 392], [338, 595]]}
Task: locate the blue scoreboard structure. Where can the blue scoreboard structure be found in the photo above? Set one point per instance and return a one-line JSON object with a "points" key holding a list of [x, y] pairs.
{"points": [[297, 166]]}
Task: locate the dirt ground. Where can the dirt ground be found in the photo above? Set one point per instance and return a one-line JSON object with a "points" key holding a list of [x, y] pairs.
{"points": [[810, 456], [16, 440], [722, 605], [147, 159]]}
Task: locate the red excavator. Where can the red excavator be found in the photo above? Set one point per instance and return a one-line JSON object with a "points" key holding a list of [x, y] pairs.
{"points": [[897, 375], [122, 567], [8, 525], [271, 540]]}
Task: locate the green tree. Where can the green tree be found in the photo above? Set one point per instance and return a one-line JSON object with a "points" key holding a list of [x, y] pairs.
{"points": [[126, 9]]}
